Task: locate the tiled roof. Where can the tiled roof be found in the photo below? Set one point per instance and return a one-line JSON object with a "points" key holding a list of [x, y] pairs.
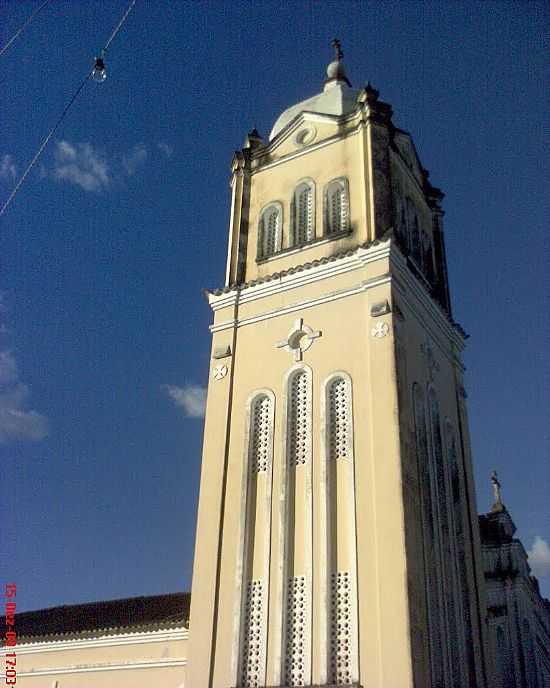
{"points": [[290, 271], [106, 617]]}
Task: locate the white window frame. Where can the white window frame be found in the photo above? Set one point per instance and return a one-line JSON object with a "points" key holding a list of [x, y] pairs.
{"points": [[263, 243], [342, 182], [310, 222]]}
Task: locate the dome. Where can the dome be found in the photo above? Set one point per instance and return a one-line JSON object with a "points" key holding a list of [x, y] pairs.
{"points": [[337, 97]]}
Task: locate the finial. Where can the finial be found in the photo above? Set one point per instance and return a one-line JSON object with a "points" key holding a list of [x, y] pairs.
{"points": [[337, 49], [253, 139], [336, 71], [498, 505]]}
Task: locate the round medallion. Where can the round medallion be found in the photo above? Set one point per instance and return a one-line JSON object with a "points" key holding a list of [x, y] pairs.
{"points": [[305, 136]]}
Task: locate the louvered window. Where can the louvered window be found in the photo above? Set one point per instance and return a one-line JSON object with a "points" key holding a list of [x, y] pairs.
{"points": [[339, 419], [303, 205], [269, 231], [300, 409], [336, 207]]}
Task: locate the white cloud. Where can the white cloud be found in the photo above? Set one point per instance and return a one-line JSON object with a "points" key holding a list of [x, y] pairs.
{"points": [[135, 159], [15, 422], [539, 557], [166, 149], [7, 167], [191, 398], [80, 164]]}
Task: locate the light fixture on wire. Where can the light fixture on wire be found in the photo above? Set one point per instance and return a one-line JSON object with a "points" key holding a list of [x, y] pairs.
{"points": [[99, 72]]}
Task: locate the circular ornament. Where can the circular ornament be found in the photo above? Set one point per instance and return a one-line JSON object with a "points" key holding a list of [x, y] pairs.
{"points": [[220, 371], [380, 330], [305, 136]]}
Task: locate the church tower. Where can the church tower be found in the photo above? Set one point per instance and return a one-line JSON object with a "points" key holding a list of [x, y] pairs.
{"points": [[337, 539]]}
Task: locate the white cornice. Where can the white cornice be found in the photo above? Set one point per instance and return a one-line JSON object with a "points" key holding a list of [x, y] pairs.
{"points": [[300, 276], [409, 287], [87, 668], [160, 636], [300, 305]]}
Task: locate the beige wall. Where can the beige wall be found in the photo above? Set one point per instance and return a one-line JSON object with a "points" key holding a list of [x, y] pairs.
{"points": [[125, 660], [333, 287]]}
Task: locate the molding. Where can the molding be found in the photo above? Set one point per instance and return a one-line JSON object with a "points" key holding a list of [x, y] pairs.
{"points": [[327, 298], [302, 275], [294, 125], [105, 641], [246, 524], [312, 243], [88, 668]]}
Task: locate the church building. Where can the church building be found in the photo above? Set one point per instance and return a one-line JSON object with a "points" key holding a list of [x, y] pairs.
{"points": [[337, 538], [338, 542]]}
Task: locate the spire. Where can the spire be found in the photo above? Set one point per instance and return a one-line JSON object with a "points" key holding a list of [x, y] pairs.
{"points": [[336, 71], [497, 505]]}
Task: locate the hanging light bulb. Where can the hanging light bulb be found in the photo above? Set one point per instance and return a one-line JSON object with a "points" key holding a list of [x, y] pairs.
{"points": [[99, 73]]}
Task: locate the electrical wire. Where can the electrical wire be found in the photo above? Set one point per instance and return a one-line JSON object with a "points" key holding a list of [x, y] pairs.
{"points": [[22, 28], [64, 113], [44, 144], [119, 26]]}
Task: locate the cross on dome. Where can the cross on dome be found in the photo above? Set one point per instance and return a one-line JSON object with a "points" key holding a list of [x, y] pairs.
{"points": [[337, 49], [336, 71]]}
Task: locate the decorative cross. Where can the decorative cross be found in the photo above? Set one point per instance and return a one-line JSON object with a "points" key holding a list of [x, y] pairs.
{"points": [[337, 49], [299, 339], [220, 371]]}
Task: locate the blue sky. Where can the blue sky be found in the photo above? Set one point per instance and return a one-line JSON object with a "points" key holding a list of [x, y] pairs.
{"points": [[104, 346]]}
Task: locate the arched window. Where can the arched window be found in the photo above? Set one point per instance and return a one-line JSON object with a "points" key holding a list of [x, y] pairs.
{"points": [[303, 207], [409, 213], [427, 257], [260, 432], [337, 488], [269, 230], [299, 421], [298, 542], [430, 540], [336, 207], [339, 419], [255, 552], [416, 248], [530, 659]]}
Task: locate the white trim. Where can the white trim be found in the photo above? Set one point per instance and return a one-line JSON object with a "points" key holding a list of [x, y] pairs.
{"points": [[104, 641], [302, 276], [283, 555], [246, 522], [406, 283], [326, 569], [310, 244], [305, 183], [85, 669], [308, 117]]}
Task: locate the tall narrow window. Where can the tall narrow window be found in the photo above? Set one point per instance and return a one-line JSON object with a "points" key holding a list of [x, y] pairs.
{"points": [[300, 420], [415, 237], [336, 207], [303, 205], [298, 528], [255, 557], [269, 231], [458, 516], [430, 540], [339, 419], [337, 490]]}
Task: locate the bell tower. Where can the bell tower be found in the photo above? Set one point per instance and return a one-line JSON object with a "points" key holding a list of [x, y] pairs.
{"points": [[337, 539]]}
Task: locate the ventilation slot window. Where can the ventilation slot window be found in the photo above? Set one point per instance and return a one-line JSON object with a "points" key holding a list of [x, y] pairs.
{"points": [[253, 651], [336, 207], [296, 622]]}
